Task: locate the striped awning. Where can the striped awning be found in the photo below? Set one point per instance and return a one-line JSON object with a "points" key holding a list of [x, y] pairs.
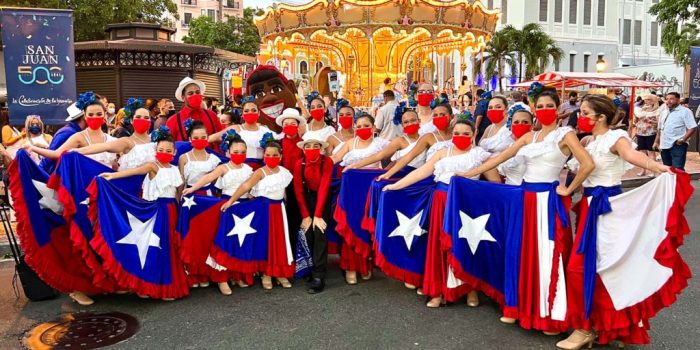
{"points": [[574, 79]]}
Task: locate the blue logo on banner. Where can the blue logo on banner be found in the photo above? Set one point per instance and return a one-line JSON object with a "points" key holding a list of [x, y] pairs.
{"points": [[39, 63], [694, 100]]}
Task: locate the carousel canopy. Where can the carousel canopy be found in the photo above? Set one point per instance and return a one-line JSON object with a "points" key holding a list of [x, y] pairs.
{"points": [[370, 40], [575, 79]]}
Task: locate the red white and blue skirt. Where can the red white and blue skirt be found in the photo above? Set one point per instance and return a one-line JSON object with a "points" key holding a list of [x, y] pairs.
{"points": [[545, 246]]}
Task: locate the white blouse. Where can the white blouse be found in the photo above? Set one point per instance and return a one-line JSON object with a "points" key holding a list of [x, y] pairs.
{"points": [[163, 185], [233, 179], [438, 145], [106, 158], [544, 160], [357, 154], [139, 155], [321, 134], [513, 169], [499, 142], [417, 161], [252, 140], [272, 186], [195, 169], [446, 167], [427, 128], [609, 167]]}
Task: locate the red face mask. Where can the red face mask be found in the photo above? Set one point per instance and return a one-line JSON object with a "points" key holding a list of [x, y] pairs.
{"points": [[251, 118], [546, 116], [238, 158], [364, 133], [312, 154], [462, 141], [345, 122], [199, 144], [94, 123], [441, 122], [141, 125], [195, 101], [495, 115], [424, 99], [164, 157], [318, 113], [519, 130], [272, 162], [584, 124], [290, 130], [411, 129]]}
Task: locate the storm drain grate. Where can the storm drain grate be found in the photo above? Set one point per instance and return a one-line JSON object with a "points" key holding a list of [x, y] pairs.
{"points": [[82, 331]]}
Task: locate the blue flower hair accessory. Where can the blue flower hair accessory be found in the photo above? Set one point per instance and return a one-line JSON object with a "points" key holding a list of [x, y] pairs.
{"points": [[131, 106], [249, 98], [438, 101], [534, 90], [617, 101], [340, 103], [188, 126], [267, 137], [398, 113], [466, 115], [511, 113], [412, 102], [162, 133], [227, 139], [85, 99], [313, 95]]}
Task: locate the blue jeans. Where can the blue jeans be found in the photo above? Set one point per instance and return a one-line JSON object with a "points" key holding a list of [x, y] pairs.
{"points": [[675, 156]]}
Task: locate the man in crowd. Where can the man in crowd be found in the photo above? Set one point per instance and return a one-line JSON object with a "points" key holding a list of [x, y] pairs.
{"points": [[675, 128], [190, 92], [519, 99], [566, 109], [385, 117], [76, 123], [480, 120]]}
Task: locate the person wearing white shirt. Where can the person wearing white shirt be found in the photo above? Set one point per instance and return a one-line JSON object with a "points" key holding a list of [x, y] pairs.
{"points": [[384, 122], [675, 128]]}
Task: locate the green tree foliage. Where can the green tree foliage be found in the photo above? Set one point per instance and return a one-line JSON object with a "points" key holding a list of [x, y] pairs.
{"points": [[679, 19], [497, 54], [90, 17], [236, 34]]}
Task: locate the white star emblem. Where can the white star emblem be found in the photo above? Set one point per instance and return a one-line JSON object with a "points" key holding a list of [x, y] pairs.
{"points": [[474, 230], [189, 202], [408, 228], [48, 198], [242, 228], [86, 201], [142, 236]]}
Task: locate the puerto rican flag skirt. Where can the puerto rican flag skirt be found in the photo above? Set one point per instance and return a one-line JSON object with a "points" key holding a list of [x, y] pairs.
{"points": [[545, 246]]}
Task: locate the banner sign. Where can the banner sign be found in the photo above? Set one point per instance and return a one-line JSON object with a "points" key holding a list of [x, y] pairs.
{"points": [[39, 63], [694, 92]]}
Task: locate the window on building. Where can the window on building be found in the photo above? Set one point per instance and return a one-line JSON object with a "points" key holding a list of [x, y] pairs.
{"points": [[504, 11], [557, 10], [585, 62], [490, 6], [601, 13], [189, 2], [573, 4], [543, 10], [626, 29], [587, 12], [654, 35], [187, 19], [638, 32], [572, 61], [303, 67]]}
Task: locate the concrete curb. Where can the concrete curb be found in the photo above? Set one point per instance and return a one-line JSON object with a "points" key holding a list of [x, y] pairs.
{"points": [[638, 181]]}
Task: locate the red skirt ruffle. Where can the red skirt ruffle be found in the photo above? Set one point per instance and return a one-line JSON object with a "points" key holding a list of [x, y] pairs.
{"points": [[277, 259]]}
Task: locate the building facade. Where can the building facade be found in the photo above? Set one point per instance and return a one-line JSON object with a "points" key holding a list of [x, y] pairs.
{"points": [[218, 10]]}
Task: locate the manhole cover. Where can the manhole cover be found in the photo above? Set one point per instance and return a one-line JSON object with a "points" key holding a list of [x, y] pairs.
{"points": [[82, 331]]}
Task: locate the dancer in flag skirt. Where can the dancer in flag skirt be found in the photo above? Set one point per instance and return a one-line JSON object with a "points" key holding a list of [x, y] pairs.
{"points": [[520, 120], [162, 183], [462, 155], [429, 143], [312, 181], [546, 237], [346, 120], [228, 178], [135, 150], [196, 163], [400, 146], [319, 127], [592, 309], [93, 135], [355, 257], [270, 181], [497, 137], [292, 124]]}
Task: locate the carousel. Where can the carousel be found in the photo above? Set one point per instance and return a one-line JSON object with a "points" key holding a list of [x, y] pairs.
{"points": [[367, 41]]}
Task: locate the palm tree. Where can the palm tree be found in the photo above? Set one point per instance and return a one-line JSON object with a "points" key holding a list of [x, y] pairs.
{"points": [[497, 54], [535, 49]]}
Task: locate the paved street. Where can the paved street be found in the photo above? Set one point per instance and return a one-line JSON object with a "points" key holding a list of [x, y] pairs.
{"points": [[379, 314]]}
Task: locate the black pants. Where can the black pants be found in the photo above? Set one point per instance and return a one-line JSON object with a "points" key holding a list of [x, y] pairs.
{"points": [[317, 240], [293, 217]]}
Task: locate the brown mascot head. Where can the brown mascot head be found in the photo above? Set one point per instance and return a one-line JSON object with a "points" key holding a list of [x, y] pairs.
{"points": [[273, 93]]}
